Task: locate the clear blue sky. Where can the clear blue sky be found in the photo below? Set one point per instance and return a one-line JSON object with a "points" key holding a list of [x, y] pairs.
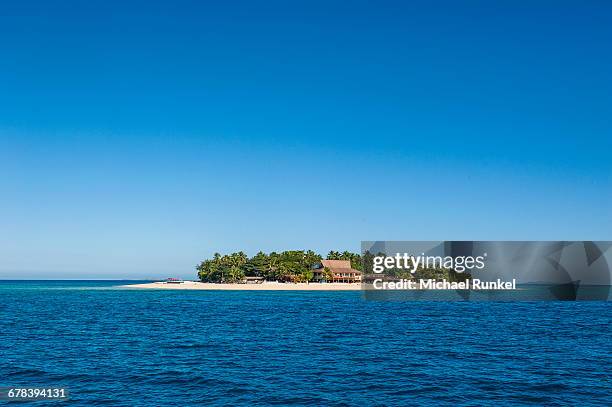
{"points": [[137, 139]]}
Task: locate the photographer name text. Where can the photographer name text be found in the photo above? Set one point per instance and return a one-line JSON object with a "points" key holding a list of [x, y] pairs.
{"points": [[433, 284]]}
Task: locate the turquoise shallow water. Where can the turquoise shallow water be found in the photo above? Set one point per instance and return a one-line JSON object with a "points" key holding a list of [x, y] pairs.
{"points": [[136, 347]]}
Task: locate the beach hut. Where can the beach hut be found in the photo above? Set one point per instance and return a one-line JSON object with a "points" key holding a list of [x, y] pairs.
{"points": [[253, 280]]}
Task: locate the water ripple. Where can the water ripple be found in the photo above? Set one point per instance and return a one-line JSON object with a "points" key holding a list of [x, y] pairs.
{"points": [[139, 348]]}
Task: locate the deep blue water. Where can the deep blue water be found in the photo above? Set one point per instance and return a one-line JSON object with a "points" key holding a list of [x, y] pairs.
{"points": [[130, 347]]}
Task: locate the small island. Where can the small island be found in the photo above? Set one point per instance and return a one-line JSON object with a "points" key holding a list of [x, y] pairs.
{"points": [[292, 270], [288, 270]]}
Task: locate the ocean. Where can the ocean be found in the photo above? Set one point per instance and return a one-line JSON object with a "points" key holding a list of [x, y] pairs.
{"points": [[111, 346]]}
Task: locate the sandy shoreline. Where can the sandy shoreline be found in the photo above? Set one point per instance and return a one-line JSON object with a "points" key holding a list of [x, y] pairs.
{"points": [[266, 286]]}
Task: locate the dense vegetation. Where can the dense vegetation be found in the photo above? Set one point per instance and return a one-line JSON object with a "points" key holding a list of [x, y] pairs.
{"points": [[292, 265], [297, 266]]}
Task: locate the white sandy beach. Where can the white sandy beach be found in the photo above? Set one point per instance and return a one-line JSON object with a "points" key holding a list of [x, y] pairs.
{"points": [[266, 286]]}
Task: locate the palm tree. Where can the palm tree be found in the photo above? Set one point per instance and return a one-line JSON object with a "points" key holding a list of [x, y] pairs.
{"points": [[333, 255]]}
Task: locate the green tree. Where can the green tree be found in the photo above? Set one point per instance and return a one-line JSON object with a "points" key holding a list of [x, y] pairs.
{"points": [[290, 265], [307, 275], [327, 274]]}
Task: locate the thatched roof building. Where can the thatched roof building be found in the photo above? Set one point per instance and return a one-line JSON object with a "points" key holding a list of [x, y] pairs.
{"points": [[340, 272]]}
